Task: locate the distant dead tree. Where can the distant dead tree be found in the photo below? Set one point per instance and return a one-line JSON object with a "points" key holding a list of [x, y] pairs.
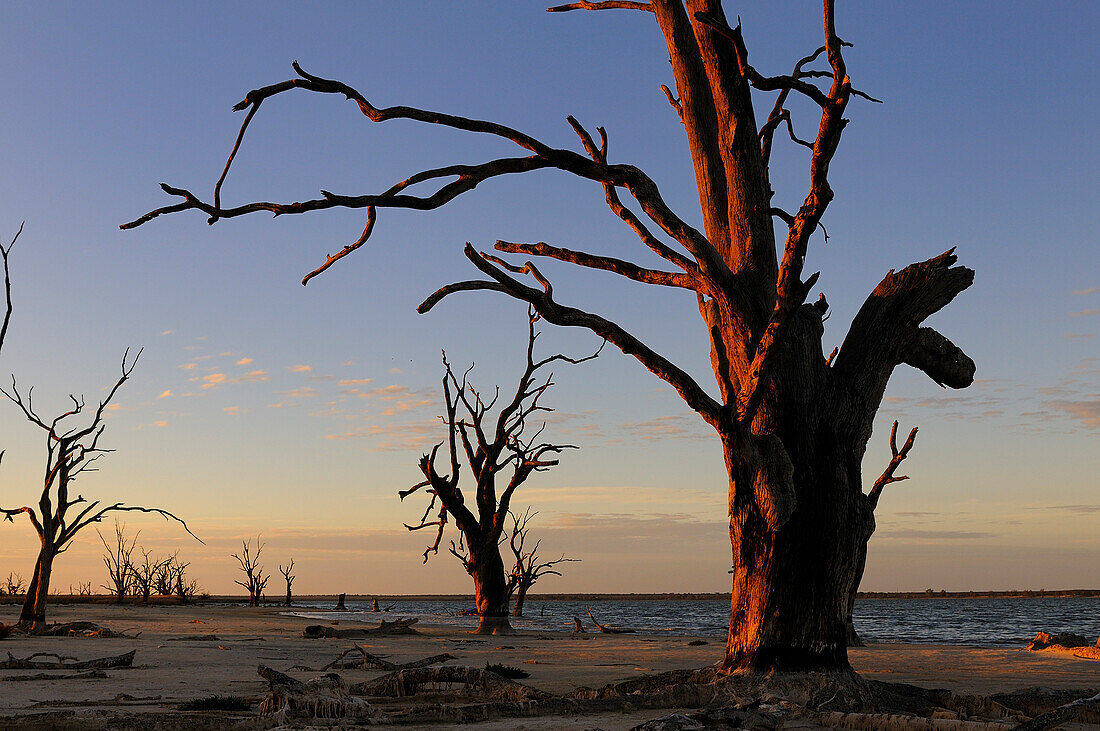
{"points": [[15, 584], [792, 419], [70, 452], [255, 581], [117, 560], [529, 566], [490, 446], [180, 586], [288, 577], [144, 575]]}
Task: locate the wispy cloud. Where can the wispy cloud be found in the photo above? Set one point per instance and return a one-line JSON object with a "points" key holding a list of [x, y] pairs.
{"points": [[244, 361], [1084, 313], [220, 379], [1087, 410], [166, 332], [353, 381], [166, 394], [300, 369], [1087, 290]]}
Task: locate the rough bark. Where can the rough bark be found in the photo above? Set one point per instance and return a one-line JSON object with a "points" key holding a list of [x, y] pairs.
{"points": [[793, 425], [490, 591], [33, 614]]}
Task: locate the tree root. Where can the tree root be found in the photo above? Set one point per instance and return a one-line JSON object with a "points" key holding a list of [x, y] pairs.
{"points": [[831, 699], [407, 682], [369, 661], [324, 697]]}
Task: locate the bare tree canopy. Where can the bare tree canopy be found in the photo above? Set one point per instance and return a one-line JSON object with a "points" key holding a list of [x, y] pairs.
{"points": [[793, 423]]}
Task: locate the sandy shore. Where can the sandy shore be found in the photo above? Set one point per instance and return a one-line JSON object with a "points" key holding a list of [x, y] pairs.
{"points": [[169, 670]]}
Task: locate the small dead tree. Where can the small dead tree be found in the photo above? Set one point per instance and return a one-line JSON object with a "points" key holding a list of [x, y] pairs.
{"points": [[120, 568], [529, 566], [70, 452], [15, 584], [255, 581], [164, 578], [144, 575], [490, 447], [183, 588], [288, 577]]}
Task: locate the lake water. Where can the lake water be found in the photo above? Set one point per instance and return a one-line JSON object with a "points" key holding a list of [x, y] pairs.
{"points": [[975, 621]]}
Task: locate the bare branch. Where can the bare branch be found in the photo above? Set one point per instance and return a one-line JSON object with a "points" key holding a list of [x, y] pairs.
{"points": [[602, 5], [897, 457], [558, 314], [606, 263], [4, 251]]}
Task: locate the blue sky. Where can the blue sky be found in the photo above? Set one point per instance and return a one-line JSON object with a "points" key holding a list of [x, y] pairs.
{"points": [[263, 406]]}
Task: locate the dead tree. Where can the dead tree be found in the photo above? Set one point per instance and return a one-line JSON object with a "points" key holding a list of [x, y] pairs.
{"points": [[120, 569], [289, 578], [491, 447], [255, 581], [145, 575], [529, 567], [70, 452], [15, 584], [793, 423]]}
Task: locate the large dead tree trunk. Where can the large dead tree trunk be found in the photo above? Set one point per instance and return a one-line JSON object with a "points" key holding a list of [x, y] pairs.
{"points": [[33, 613], [793, 424], [490, 591]]}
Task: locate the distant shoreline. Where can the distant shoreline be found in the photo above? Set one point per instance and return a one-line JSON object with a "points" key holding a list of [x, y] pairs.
{"points": [[670, 596]]}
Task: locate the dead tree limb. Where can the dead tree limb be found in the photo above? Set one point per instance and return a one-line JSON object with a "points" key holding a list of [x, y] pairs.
{"points": [[608, 630]]}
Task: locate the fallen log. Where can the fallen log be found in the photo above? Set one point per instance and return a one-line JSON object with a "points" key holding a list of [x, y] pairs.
{"points": [[403, 626], [63, 662], [88, 675], [609, 630]]}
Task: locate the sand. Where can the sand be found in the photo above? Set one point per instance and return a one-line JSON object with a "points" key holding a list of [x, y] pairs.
{"points": [[169, 671]]}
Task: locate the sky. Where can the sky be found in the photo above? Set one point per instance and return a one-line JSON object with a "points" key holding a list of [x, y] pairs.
{"points": [[261, 407]]}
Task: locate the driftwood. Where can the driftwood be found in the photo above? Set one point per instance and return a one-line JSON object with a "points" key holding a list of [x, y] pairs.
{"points": [[340, 603], [368, 660], [83, 629], [578, 627], [324, 697], [66, 663], [406, 682], [88, 675], [609, 630], [402, 626]]}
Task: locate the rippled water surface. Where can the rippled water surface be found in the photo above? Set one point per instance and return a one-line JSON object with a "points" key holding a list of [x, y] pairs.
{"points": [[931, 620]]}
